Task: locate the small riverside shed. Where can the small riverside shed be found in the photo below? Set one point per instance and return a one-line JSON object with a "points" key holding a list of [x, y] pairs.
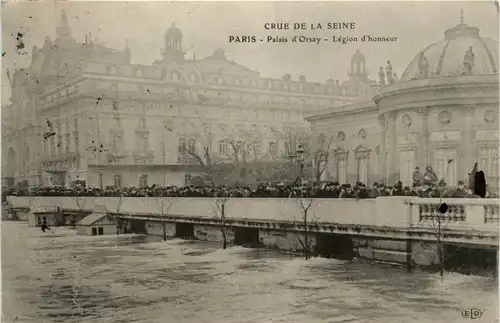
{"points": [[96, 223], [44, 215]]}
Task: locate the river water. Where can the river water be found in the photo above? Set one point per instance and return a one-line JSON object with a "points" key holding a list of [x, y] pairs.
{"points": [[61, 277]]}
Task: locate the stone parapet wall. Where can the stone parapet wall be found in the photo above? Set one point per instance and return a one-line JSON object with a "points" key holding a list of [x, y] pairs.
{"points": [[389, 212]]}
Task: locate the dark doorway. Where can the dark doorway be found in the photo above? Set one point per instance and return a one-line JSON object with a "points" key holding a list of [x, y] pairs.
{"points": [[184, 230], [101, 231], [338, 246], [471, 260], [246, 237], [138, 226], [94, 231]]}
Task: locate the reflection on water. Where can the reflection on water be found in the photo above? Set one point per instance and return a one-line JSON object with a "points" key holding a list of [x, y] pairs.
{"points": [[62, 277]]}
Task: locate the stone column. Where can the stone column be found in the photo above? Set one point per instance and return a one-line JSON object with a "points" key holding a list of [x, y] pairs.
{"points": [[393, 168], [468, 151], [423, 135], [382, 167]]}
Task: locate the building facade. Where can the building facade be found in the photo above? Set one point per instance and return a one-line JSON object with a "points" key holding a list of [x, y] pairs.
{"points": [[442, 113], [84, 112]]}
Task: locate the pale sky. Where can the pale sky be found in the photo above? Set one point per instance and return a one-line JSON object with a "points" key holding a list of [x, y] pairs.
{"points": [[207, 26]]}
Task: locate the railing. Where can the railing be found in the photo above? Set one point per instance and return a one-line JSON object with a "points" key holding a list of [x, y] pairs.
{"points": [[396, 212], [492, 213], [477, 214]]}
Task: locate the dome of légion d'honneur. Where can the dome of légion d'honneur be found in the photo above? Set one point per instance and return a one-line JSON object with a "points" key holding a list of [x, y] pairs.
{"points": [[441, 115], [447, 57], [443, 111]]}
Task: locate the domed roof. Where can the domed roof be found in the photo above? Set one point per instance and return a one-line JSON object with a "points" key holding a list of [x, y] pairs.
{"points": [[173, 32], [449, 57], [357, 57]]}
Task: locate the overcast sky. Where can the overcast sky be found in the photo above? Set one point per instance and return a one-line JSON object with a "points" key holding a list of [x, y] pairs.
{"points": [[207, 26]]}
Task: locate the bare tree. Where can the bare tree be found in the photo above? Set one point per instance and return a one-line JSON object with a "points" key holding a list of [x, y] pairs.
{"points": [[316, 149], [305, 206], [119, 202], [306, 218], [436, 221], [437, 224], [319, 154], [81, 201], [164, 205], [220, 210], [214, 166], [292, 137]]}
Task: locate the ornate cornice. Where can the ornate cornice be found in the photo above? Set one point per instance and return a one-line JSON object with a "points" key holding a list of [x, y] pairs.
{"points": [[361, 152], [469, 110], [340, 154], [423, 111], [438, 84]]}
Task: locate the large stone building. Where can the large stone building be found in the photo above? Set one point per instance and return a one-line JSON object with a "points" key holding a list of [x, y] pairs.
{"points": [[83, 112], [442, 112]]}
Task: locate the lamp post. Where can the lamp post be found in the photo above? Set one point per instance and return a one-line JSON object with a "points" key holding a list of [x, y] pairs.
{"points": [[298, 157]]}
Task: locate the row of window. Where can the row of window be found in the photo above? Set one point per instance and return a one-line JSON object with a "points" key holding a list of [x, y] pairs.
{"points": [[69, 91], [188, 145], [488, 163], [98, 231], [56, 145], [265, 114], [362, 170], [283, 85], [117, 180], [55, 126]]}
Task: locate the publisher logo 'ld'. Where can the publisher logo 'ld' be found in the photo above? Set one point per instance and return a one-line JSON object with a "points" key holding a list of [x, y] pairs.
{"points": [[471, 313]]}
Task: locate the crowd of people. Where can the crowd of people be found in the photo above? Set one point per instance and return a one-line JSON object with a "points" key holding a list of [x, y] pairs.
{"points": [[274, 190]]}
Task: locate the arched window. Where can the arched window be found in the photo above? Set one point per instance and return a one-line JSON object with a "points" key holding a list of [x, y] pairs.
{"points": [[192, 146], [181, 145], [176, 76], [321, 140], [341, 160]]}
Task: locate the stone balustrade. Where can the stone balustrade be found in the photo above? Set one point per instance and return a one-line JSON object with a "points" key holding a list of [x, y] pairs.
{"points": [[475, 214], [388, 212]]}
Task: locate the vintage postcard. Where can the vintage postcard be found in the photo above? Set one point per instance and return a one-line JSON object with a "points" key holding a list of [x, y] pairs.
{"points": [[260, 161]]}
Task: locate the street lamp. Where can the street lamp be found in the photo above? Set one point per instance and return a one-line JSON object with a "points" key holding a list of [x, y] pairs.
{"points": [[299, 159]]}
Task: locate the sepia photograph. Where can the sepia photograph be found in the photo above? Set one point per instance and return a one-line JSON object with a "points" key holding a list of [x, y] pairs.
{"points": [[254, 161]]}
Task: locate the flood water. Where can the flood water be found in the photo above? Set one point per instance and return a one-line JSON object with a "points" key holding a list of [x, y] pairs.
{"points": [[61, 277]]}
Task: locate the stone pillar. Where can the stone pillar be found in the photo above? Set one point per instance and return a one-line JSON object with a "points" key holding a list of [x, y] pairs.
{"points": [[468, 151], [382, 167], [392, 166], [423, 135]]}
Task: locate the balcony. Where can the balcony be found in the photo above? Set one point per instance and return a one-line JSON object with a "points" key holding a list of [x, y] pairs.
{"points": [[186, 158], [144, 157], [116, 155]]}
